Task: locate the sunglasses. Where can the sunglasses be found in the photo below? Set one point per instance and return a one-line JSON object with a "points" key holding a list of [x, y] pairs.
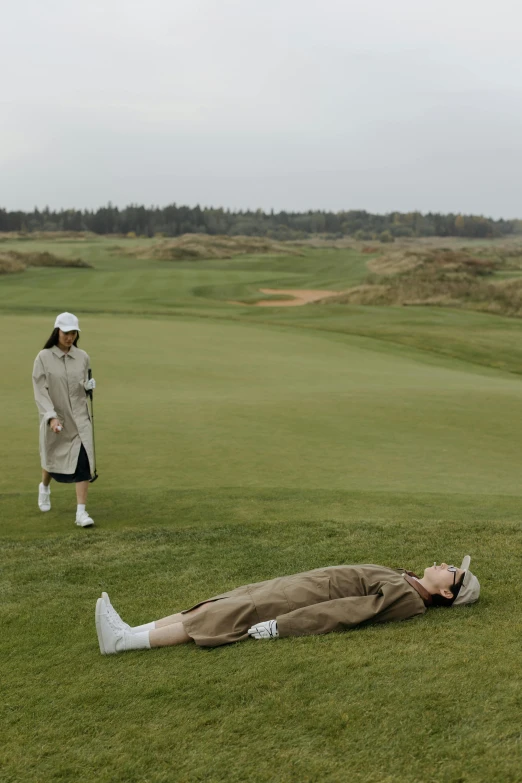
{"points": [[453, 570]]}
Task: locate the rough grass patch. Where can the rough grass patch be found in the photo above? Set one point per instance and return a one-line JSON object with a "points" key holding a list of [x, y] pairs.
{"points": [[13, 261], [196, 247], [24, 236], [444, 277], [9, 265]]}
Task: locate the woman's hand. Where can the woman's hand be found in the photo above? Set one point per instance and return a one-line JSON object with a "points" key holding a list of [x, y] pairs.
{"points": [[89, 385], [55, 425]]}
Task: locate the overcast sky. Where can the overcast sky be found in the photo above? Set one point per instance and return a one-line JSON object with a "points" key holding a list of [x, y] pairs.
{"points": [[287, 104]]}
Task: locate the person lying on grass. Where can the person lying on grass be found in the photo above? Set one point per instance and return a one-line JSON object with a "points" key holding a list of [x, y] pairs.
{"points": [[315, 602]]}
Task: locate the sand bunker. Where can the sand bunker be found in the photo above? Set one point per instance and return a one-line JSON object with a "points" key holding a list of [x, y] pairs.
{"points": [[299, 297]]}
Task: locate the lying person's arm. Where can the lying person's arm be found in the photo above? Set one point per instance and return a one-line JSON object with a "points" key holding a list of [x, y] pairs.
{"points": [[394, 602]]}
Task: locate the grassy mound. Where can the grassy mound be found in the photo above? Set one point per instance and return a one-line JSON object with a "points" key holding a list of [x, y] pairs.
{"points": [[487, 280], [57, 236], [199, 247], [9, 264], [12, 261], [433, 262]]}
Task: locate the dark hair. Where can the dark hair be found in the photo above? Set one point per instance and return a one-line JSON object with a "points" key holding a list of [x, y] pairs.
{"points": [[439, 600], [53, 339]]}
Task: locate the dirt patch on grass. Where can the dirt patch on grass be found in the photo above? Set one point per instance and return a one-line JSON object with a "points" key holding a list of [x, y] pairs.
{"points": [[202, 247], [298, 297], [12, 261]]}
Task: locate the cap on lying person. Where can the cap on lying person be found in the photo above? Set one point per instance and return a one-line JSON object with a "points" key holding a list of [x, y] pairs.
{"points": [[67, 322], [470, 589]]}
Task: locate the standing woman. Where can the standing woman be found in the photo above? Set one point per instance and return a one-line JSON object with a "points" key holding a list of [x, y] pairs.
{"points": [[61, 382]]}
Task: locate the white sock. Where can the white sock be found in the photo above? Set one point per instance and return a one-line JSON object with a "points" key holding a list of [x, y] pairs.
{"points": [[143, 628], [137, 641], [43, 488], [80, 508]]}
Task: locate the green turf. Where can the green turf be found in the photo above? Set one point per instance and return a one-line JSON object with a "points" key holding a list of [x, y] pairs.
{"points": [[236, 444], [127, 284]]}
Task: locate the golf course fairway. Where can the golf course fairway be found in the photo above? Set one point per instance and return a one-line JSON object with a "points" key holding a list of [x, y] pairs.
{"points": [[236, 444]]}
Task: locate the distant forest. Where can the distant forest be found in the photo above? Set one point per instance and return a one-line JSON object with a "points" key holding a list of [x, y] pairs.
{"points": [[173, 220]]}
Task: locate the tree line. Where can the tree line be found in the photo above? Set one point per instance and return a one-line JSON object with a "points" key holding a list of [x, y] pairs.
{"points": [[174, 220]]}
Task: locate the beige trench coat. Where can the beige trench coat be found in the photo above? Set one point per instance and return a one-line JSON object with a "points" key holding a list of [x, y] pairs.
{"points": [[315, 602], [58, 380]]}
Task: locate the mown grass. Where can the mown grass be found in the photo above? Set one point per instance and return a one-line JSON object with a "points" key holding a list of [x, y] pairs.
{"points": [[153, 286], [430, 700], [236, 444], [439, 333]]}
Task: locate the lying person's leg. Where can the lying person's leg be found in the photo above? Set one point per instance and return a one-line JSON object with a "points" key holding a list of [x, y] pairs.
{"points": [[115, 635], [178, 618], [169, 635], [164, 621]]}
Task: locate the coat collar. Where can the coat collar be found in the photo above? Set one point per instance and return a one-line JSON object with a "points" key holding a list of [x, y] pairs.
{"points": [[59, 353], [426, 597]]}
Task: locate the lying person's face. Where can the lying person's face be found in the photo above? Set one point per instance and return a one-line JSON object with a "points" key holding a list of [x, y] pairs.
{"points": [[440, 579]]}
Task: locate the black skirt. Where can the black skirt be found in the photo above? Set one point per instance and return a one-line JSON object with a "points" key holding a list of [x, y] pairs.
{"points": [[82, 472]]}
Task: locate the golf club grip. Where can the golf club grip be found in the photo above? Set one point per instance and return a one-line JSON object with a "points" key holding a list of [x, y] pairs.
{"points": [[89, 393]]}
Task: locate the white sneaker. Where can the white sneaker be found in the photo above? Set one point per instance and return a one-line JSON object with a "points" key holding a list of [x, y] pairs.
{"points": [[111, 637], [84, 520], [114, 614], [44, 497]]}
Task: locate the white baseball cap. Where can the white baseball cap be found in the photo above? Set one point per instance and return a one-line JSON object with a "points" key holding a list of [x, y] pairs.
{"points": [[470, 590], [67, 322]]}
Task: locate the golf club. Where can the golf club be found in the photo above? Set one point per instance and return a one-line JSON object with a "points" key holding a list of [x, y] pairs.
{"points": [[90, 394]]}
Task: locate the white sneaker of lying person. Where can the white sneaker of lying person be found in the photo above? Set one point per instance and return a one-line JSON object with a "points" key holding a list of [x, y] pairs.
{"points": [[125, 626], [83, 519], [44, 497], [114, 614], [266, 630], [112, 638]]}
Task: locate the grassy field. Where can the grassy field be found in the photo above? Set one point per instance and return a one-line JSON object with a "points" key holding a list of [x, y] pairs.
{"points": [[238, 443]]}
